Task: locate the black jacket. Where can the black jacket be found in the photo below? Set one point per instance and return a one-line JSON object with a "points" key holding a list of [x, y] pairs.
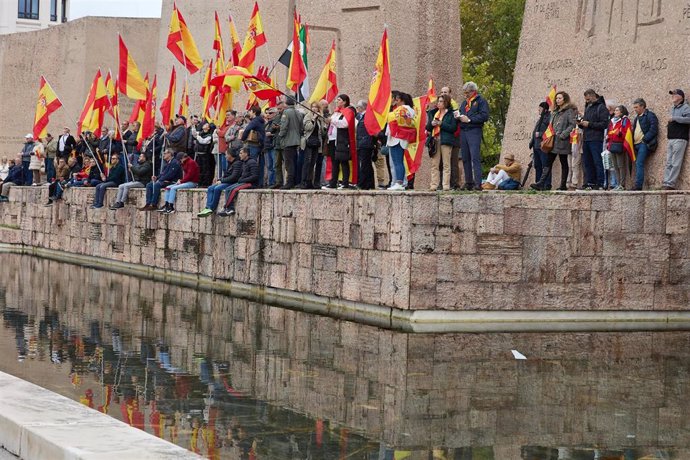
{"points": [[233, 172], [141, 172], [170, 172], [364, 140], [598, 117], [250, 173], [540, 127], [15, 175]]}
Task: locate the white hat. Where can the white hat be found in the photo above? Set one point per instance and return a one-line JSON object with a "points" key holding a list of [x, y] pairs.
{"points": [[29, 136]]}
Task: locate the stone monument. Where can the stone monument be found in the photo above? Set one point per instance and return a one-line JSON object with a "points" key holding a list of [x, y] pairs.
{"points": [[623, 49]]}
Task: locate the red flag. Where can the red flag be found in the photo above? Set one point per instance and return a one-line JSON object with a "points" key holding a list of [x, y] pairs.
{"points": [[254, 38], [380, 96], [149, 121], [235, 42], [297, 72], [131, 83], [168, 104], [91, 118]]}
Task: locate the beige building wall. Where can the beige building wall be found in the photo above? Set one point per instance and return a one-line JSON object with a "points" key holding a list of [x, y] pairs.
{"points": [[622, 49], [11, 23], [68, 56]]}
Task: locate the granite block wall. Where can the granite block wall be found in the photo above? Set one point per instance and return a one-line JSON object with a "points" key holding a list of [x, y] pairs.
{"points": [[491, 251]]}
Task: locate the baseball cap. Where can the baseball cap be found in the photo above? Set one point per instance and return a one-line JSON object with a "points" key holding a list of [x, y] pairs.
{"points": [[678, 92], [29, 136], [181, 116]]}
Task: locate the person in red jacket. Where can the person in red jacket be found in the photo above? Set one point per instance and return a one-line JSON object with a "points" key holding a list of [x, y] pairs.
{"points": [[190, 179]]}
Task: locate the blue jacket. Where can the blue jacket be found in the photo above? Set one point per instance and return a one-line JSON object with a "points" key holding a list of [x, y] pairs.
{"points": [[116, 174], [478, 113], [257, 124], [650, 127], [170, 172], [15, 175]]}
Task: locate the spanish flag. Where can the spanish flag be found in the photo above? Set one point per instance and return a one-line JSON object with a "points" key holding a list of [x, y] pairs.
{"points": [[140, 105], [628, 142], [218, 48], [252, 41], [224, 104], [147, 124], [235, 41], [91, 118], [110, 90], [261, 86], [380, 97], [184, 101], [327, 86], [551, 97], [207, 92], [181, 43], [231, 79], [548, 133], [47, 103], [132, 84], [297, 72], [168, 104], [431, 93], [415, 150]]}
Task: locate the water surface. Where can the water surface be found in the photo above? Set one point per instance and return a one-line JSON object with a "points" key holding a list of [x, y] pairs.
{"points": [[233, 379]]}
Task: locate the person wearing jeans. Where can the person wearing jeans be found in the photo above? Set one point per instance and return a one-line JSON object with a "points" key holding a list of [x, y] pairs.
{"points": [[232, 174], [593, 123], [116, 176], [248, 179], [678, 130], [473, 113], [141, 176], [190, 179], [400, 132], [170, 172]]}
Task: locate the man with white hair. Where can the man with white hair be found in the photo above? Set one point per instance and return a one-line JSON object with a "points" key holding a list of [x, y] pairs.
{"points": [[473, 113], [27, 151]]}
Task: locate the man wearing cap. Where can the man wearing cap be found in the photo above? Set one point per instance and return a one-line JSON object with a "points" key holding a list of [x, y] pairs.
{"points": [[504, 177], [66, 144], [26, 152], [177, 139], [678, 130]]}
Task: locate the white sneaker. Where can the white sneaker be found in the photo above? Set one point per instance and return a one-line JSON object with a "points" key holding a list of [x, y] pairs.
{"points": [[396, 188]]}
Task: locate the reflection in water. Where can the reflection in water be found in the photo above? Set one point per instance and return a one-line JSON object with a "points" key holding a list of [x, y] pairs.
{"points": [[229, 378]]}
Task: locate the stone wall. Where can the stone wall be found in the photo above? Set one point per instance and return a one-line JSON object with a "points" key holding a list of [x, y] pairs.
{"points": [[623, 50], [421, 251], [68, 55]]}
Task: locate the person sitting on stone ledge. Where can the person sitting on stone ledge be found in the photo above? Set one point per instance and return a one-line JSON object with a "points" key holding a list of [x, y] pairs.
{"points": [[88, 176], [232, 174], [171, 171], [190, 179], [504, 177], [141, 175], [116, 176], [56, 188], [249, 179], [15, 176], [4, 169]]}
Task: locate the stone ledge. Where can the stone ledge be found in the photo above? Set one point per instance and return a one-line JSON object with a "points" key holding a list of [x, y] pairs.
{"points": [[37, 424]]}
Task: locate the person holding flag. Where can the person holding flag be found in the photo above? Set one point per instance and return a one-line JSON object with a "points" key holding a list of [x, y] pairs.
{"points": [[343, 123], [562, 123], [619, 127], [539, 158], [401, 132]]}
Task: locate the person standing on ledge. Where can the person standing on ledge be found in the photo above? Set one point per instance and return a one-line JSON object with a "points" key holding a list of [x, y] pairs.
{"points": [[473, 113], [677, 138], [593, 123], [539, 158], [645, 138]]}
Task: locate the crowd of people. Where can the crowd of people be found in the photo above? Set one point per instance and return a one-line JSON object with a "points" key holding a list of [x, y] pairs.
{"points": [[292, 146]]}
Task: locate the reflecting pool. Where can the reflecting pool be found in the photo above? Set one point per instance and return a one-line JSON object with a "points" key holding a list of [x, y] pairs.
{"points": [[233, 379]]}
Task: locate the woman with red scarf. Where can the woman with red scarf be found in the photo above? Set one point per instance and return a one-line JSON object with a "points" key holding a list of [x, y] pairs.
{"points": [[401, 132], [343, 120], [615, 138]]}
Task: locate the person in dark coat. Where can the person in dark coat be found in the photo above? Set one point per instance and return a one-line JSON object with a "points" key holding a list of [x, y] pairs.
{"points": [[248, 179], [645, 137], [473, 113], [291, 128], [116, 176], [539, 158], [203, 145], [593, 123], [366, 148], [231, 175], [141, 175], [171, 172]]}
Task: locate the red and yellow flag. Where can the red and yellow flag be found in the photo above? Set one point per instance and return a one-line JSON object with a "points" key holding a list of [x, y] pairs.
{"points": [[110, 90], [224, 104], [628, 139], [297, 72], [132, 84], [148, 123], [327, 86], [415, 150], [140, 105], [231, 79], [254, 39], [548, 133], [47, 103], [218, 48], [184, 101], [181, 43], [207, 92], [551, 97], [235, 42], [168, 104], [380, 97], [91, 118], [431, 92]]}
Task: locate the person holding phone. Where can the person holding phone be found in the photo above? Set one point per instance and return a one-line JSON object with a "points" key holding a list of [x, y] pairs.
{"points": [[473, 113]]}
